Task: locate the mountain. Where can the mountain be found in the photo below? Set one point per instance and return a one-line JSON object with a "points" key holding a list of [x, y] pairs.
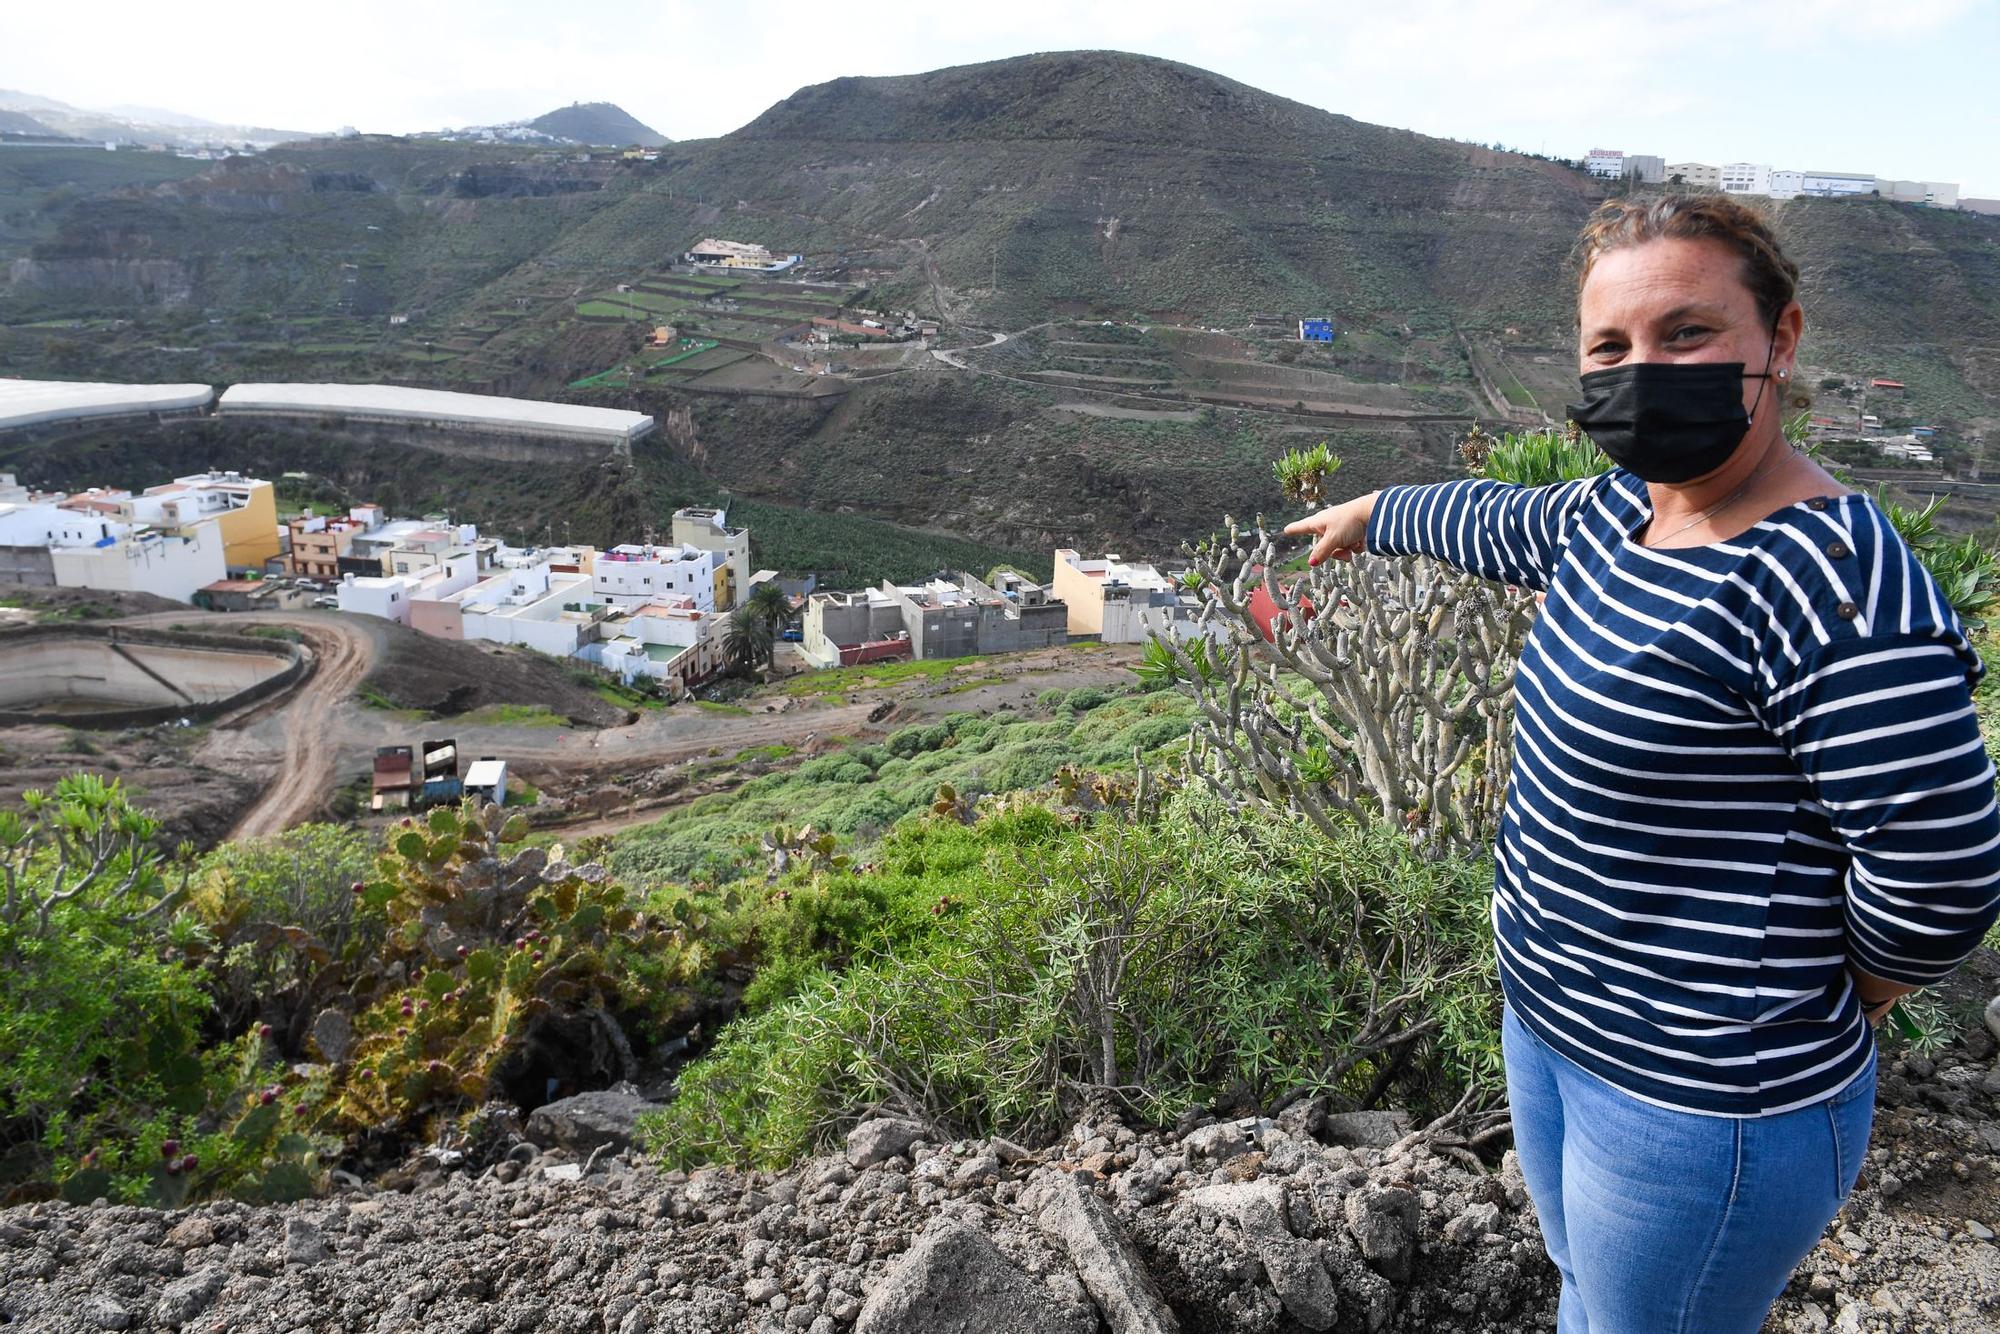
{"points": [[16, 122], [597, 123], [1127, 181], [1007, 197], [140, 125], [144, 115], [580, 124]]}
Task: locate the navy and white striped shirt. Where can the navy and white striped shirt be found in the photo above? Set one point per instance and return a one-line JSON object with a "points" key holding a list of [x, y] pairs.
{"points": [[1736, 767]]}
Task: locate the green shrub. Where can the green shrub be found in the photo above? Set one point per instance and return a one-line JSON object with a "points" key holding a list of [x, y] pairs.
{"points": [[96, 1003], [1534, 458], [101, 1014], [286, 925], [1199, 959], [487, 943], [715, 836]]}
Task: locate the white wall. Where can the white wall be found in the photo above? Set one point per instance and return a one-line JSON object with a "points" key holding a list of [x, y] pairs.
{"points": [[1834, 186], [48, 525], [540, 624], [633, 582], [387, 596], [1746, 178], [168, 567]]}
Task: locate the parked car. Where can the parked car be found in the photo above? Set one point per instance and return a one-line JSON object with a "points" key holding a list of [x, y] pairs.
{"points": [[326, 602]]}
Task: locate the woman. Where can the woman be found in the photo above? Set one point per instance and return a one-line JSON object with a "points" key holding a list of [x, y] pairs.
{"points": [[1750, 806]]}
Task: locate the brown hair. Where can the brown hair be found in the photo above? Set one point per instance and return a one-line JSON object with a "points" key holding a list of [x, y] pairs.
{"points": [[1772, 279]]}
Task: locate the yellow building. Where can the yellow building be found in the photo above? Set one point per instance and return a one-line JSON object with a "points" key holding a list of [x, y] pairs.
{"points": [[243, 509]]}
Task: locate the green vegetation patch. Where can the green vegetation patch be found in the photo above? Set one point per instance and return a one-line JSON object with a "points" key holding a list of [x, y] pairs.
{"points": [[871, 675], [512, 715], [859, 791], [970, 966]]}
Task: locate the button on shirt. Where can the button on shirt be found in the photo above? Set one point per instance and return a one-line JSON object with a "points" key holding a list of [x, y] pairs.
{"points": [[1737, 767]]}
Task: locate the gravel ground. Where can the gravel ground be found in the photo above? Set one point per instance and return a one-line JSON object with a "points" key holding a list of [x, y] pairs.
{"points": [[1342, 1223]]}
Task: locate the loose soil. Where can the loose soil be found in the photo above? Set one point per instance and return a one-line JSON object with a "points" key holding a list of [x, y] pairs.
{"points": [[445, 677]]}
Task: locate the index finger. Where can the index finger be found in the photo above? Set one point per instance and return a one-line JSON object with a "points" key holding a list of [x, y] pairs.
{"points": [[1305, 525]]}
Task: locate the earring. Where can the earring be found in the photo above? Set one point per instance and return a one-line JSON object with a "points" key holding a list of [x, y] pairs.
{"points": [[1783, 374]]}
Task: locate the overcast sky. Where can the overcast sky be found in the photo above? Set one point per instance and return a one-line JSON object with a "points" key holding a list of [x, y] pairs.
{"points": [[1901, 88]]}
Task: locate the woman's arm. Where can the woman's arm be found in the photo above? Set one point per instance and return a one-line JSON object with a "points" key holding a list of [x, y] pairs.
{"points": [[1499, 531], [1883, 730]]}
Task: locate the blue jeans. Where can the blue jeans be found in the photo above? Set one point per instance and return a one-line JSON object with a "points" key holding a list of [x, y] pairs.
{"points": [[1665, 1222]]}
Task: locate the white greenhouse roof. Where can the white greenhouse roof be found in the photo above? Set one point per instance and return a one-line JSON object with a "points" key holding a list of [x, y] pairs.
{"points": [[30, 402], [437, 407]]}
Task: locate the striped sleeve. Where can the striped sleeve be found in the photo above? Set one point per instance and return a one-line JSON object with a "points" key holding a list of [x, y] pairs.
{"points": [[1510, 534], [1882, 729]]}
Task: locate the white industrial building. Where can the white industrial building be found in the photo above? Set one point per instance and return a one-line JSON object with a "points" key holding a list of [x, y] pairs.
{"points": [[1605, 163], [438, 409], [1746, 178], [1645, 168], [1787, 184], [26, 403], [1836, 184], [1937, 194]]}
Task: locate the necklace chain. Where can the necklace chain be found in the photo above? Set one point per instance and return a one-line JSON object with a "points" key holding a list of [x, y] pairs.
{"points": [[1720, 505]]}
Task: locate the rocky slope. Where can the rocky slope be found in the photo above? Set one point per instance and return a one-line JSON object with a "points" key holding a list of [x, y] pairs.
{"points": [[1312, 1222]]}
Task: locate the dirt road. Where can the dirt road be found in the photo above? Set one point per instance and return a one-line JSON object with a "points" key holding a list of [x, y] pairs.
{"points": [[306, 774], [306, 771], [304, 745]]}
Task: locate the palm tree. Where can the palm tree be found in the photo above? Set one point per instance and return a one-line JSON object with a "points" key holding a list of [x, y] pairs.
{"points": [[767, 603], [747, 641]]}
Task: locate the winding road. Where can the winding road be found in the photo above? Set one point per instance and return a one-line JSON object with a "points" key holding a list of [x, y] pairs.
{"points": [[342, 652], [342, 655]]}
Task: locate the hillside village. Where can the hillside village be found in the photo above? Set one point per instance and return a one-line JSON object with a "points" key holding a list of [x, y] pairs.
{"points": [[642, 612]]}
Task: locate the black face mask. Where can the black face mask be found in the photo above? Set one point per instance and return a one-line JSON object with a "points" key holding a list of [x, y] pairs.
{"points": [[1667, 421]]}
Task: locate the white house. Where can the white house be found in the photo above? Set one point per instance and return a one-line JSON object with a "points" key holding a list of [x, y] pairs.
{"points": [[43, 523], [554, 614], [1787, 184], [1122, 602], [392, 596], [709, 530], [630, 576], [145, 561], [673, 642]]}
